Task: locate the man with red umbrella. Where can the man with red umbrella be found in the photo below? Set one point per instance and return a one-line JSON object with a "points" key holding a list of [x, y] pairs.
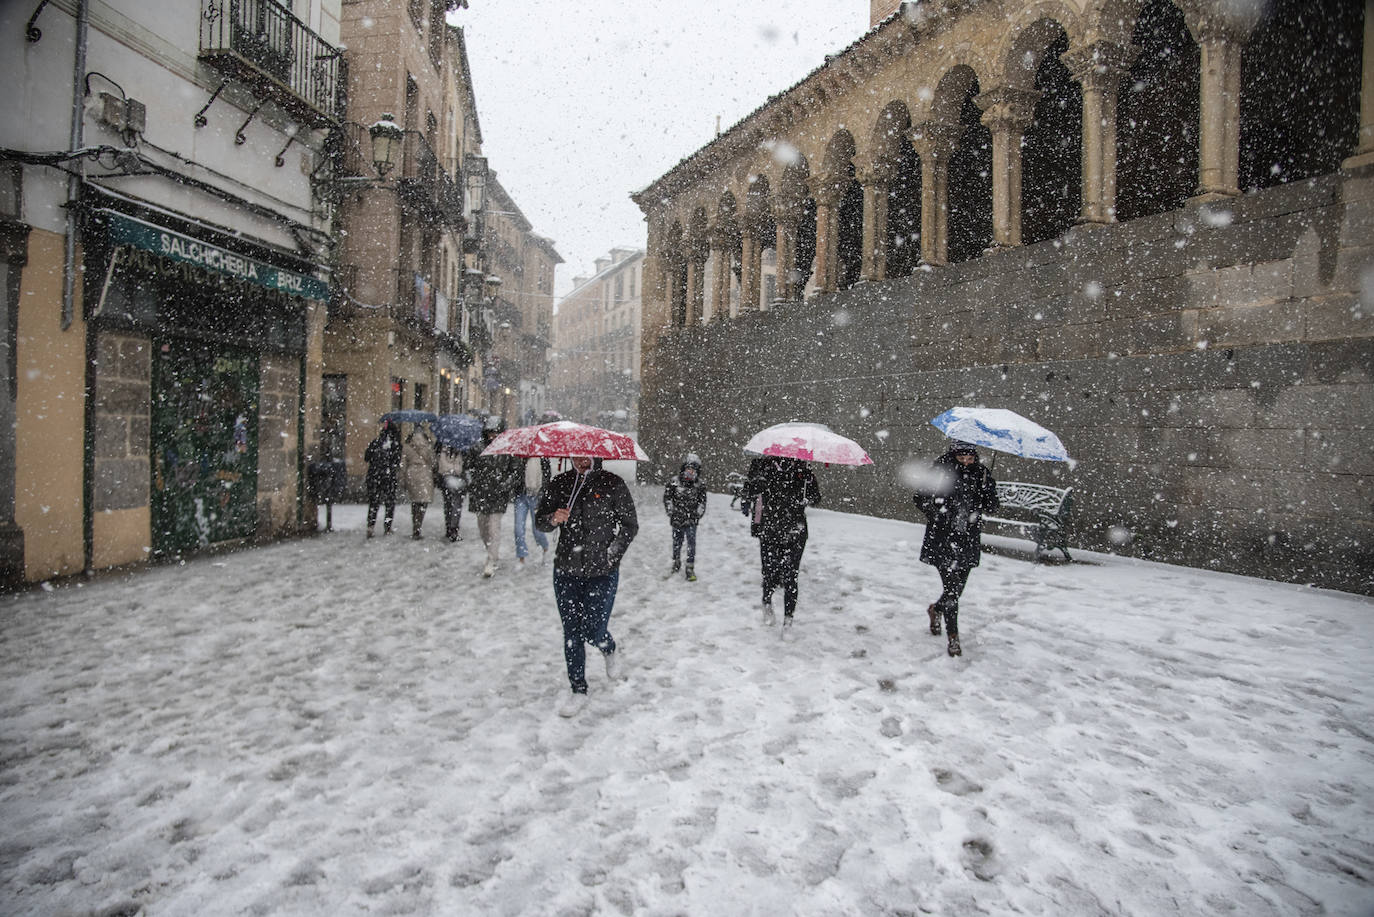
{"points": [[594, 514]]}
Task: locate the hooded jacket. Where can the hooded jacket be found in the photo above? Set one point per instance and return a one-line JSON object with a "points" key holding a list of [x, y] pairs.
{"points": [[491, 479], [954, 516], [685, 501], [601, 522]]}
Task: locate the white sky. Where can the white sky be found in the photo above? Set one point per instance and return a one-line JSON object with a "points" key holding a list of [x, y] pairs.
{"points": [[582, 103]]}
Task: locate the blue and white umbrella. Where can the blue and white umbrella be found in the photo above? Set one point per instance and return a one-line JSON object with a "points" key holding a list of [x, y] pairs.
{"points": [[461, 431], [410, 416], [1003, 430]]}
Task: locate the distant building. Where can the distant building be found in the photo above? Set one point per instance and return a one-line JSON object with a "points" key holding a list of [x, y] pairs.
{"points": [[519, 319], [597, 328]]}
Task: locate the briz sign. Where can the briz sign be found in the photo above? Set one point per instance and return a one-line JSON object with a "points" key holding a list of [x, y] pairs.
{"points": [[125, 230]]}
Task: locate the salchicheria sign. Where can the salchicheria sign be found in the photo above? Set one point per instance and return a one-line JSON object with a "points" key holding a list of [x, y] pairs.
{"points": [[125, 230]]}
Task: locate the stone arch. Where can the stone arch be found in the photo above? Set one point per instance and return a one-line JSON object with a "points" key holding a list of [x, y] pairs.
{"points": [[896, 162], [724, 269], [1157, 114], [675, 272], [1052, 145], [758, 245], [840, 207], [969, 221], [1044, 25], [1300, 92]]}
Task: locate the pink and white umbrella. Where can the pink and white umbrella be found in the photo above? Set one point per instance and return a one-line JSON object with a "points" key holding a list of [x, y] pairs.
{"points": [[565, 439], [809, 442]]}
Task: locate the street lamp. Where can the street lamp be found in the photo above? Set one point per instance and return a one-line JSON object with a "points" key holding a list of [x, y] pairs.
{"points": [[387, 137]]}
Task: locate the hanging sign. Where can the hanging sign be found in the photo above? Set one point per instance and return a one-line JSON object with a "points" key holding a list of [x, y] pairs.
{"points": [[125, 230]]}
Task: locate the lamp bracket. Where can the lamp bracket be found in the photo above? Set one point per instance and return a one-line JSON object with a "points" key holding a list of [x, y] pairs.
{"points": [[240, 138], [33, 33]]}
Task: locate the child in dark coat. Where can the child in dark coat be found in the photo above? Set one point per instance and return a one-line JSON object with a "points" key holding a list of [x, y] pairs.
{"points": [[684, 498]]}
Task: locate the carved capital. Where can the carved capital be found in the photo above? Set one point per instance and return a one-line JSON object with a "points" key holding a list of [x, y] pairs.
{"points": [[1007, 108], [934, 141], [1101, 65]]}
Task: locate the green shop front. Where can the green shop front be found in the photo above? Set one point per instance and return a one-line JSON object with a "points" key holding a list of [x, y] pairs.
{"points": [[196, 381]]}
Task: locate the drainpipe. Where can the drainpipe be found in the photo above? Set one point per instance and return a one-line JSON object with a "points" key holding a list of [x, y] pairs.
{"points": [[74, 181]]}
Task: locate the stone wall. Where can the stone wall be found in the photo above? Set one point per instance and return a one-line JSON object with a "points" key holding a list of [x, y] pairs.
{"points": [[123, 399], [1209, 369], [279, 398]]}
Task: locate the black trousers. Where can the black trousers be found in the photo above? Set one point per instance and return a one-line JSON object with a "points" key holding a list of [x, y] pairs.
{"points": [[954, 580], [453, 512], [781, 563], [390, 512]]}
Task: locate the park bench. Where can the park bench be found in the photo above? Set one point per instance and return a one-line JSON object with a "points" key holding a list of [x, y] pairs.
{"points": [[1042, 509]]}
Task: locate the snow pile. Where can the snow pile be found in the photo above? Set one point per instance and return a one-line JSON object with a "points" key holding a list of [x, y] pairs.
{"points": [[338, 726]]}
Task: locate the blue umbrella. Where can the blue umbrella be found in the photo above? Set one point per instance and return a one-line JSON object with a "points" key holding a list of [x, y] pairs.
{"points": [[1003, 430], [410, 416], [461, 431]]}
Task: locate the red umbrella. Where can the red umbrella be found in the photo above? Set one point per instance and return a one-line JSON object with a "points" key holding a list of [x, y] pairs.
{"points": [[565, 439]]}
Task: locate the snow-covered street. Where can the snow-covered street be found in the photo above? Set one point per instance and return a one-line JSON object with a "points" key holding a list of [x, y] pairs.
{"points": [[339, 726]]}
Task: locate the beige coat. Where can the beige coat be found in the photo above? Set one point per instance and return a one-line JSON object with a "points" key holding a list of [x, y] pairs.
{"points": [[417, 465]]}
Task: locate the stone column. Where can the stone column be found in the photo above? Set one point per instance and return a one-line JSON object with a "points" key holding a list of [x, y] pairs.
{"points": [[751, 268], [721, 250], [875, 185], [1364, 152], [1219, 127], [785, 218], [1007, 112], [825, 190], [935, 144], [1099, 69]]}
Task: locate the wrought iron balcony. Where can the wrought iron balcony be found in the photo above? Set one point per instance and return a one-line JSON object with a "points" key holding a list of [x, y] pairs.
{"points": [[427, 186], [260, 43]]}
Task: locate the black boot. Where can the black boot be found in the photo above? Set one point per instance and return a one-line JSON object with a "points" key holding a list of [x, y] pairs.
{"points": [[934, 619], [952, 628], [691, 574], [677, 565]]}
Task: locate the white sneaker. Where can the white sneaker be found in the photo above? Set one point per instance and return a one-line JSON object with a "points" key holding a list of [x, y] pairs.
{"points": [[489, 570], [787, 633], [769, 619], [613, 665], [572, 704], [544, 558]]}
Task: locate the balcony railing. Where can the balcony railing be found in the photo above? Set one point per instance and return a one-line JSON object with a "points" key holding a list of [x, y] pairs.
{"points": [[262, 44], [427, 185]]}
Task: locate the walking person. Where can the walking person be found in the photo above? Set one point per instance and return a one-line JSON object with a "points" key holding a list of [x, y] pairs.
{"points": [[777, 493], [383, 457], [684, 499], [954, 528], [451, 485], [491, 481], [594, 514], [418, 462], [534, 478]]}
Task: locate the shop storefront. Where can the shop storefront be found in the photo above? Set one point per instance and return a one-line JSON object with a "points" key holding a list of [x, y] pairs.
{"points": [[198, 343]]}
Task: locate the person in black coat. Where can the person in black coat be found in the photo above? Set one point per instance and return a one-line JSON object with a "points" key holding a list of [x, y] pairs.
{"points": [[594, 514], [684, 498], [383, 457], [954, 528], [491, 484], [775, 496]]}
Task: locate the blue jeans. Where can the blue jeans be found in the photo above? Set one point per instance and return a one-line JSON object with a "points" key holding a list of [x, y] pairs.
{"points": [[527, 503], [584, 605], [689, 534]]}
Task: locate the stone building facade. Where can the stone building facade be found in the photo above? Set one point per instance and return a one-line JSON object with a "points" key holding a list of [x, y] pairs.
{"points": [[406, 233], [597, 333], [1146, 224], [165, 274]]}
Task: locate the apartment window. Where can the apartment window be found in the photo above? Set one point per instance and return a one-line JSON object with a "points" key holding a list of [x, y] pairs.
{"points": [[619, 287]]}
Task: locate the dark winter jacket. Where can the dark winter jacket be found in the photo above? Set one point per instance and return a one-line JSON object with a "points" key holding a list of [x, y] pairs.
{"points": [[776, 495], [954, 517], [685, 500], [383, 457], [492, 480], [601, 524]]}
